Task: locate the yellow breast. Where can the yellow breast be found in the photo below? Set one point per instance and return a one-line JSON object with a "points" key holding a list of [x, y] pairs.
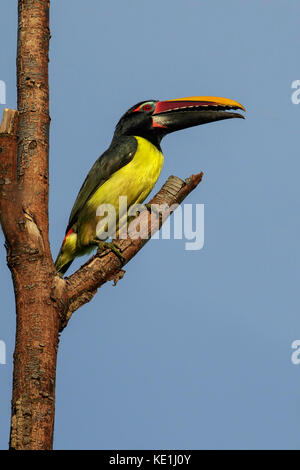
{"points": [[134, 180]]}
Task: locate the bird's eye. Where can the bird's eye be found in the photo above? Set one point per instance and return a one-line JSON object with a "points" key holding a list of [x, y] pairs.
{"points": [[147, 107]]}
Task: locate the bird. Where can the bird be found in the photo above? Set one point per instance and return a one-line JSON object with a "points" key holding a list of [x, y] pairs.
{"points": [[132, 164]]}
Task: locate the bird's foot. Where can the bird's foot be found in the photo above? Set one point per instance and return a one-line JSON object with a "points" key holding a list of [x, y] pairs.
{"points": [[102, 246]]}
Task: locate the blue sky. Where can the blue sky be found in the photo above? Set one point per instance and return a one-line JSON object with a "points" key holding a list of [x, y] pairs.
{"points": [[192, 349]]}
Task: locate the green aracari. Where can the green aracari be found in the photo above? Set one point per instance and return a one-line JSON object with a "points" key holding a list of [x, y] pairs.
{"points": [[132, 164]]}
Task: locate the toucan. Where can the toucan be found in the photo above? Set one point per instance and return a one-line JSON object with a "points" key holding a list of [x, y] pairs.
{"points": [[132, 164]]}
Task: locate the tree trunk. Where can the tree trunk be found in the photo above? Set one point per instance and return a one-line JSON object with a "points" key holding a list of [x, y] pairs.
{"points": [[28, 250]]}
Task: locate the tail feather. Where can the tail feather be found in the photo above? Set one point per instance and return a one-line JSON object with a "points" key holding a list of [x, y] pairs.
{"points": [[67, 253], [61, 269]]}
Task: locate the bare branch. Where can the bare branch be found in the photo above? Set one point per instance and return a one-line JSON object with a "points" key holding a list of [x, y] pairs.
{"points": [[9, 203], [9, 122], [83, 284]]}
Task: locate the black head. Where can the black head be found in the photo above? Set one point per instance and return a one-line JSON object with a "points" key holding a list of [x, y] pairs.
{"points": [[154, 119], [138, 120]]}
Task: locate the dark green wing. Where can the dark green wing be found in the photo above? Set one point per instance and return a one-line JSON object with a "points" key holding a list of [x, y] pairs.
{"points": [[115, 157]]}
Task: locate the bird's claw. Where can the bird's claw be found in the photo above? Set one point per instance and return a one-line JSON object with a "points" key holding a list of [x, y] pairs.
{"points": [[102, 245]]}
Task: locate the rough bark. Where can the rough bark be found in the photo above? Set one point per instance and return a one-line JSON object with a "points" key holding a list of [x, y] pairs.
{"points": [[44, 301], [24, 217]]}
